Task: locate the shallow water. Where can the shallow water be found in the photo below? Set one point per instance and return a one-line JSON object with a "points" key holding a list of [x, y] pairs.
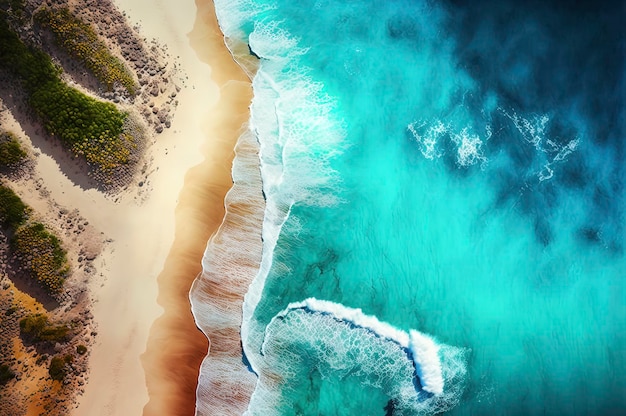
{"points": [[456, 170]]}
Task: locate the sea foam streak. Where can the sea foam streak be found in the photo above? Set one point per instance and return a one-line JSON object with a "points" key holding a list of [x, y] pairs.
{"points": [[295, 138], [423, 349], [412, 371], [230, 263]]}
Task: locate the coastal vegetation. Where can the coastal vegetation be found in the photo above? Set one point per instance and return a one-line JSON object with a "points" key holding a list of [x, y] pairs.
{"points": [[57, 368], [39, 250], [88, 127], [43, 256], [13, 212], [11, 153], [6, 374], [80, 40], [37, 328]]}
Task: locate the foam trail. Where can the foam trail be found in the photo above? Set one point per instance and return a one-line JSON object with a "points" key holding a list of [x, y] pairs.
{"points": [[291, 117], [423, 349], [427, 365], [339, 343], [230, 263]]}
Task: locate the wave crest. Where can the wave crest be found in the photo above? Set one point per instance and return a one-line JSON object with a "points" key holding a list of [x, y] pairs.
{"points": [[414, 372]]}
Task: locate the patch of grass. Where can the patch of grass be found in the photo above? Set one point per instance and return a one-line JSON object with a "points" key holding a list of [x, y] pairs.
{"points": [[38, 329], [40, 250], [88, 127], [6, 374], [80, 40], [13, 212], [47, 260], [57, 368], [11, 153]]}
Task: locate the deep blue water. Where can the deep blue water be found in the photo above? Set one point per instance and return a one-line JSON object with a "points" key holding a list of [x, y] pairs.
{"points": [[456, 169]]}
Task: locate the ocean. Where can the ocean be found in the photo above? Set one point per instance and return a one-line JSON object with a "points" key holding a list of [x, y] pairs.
{"points": [[443, 209]]}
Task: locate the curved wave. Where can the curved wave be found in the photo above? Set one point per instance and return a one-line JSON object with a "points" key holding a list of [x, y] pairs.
{"points": [[409, 369]]}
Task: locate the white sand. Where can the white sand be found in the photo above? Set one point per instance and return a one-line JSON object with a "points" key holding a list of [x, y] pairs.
{"points": [[142, 233]]}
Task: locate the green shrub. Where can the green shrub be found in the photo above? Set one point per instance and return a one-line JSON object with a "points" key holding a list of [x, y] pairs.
{"points": [[48, 260], [80, 40], [11, 153], [13, 212], [88, 127], [54, 333], [33, 324], [38, 329], [81, 349], [57, 368], [6, 374]]}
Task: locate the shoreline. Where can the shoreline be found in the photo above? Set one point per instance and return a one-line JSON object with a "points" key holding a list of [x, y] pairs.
{"points": [[175, 347], [132, 300], [229, 265], [172, 367]]}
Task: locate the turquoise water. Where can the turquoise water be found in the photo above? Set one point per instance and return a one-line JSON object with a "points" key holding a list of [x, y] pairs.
{"points": [[452, 169]]}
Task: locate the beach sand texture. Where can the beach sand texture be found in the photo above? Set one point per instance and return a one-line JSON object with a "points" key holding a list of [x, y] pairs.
{"points": [[166, 235]]}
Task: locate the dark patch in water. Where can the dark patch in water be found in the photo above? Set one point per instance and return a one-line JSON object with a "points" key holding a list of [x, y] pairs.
{"points": [[590, 235], [543, 231], [402, 27]]}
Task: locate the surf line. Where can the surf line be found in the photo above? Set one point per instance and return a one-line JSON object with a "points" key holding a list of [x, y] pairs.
{"points": [[420, 348]]}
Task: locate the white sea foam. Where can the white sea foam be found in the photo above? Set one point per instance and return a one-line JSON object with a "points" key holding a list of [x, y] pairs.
{"points": [[469, 146], [297, 139], [425, 354], [229, 264], [533, 130], [423, 349], [427, 136], [344, 342]]}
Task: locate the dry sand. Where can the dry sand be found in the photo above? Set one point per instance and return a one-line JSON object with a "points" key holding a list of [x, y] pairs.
{"points": [[165, 234]]}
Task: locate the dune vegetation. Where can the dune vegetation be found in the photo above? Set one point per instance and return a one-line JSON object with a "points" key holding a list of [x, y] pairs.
{"points": [[11, 153], [81, 41], [37, 249], [88, 127]]}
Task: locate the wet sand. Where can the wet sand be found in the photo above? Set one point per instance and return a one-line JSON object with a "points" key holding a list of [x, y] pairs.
{"points": [[210, 115]]}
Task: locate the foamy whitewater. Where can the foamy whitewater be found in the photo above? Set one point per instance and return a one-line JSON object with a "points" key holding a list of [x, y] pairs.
{"points": [[427, 213]]}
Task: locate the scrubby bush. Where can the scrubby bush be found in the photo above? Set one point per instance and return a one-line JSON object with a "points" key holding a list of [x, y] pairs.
{"points": [[11, 153], [40, 250], [81, 349], [13, 212], [6, 374], [47, 260], [80, 40], [33, 324], [57, 368], [38, 329]]}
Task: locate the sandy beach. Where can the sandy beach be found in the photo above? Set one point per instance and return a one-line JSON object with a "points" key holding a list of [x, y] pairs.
{"points": [[148, 350], [134, 244]]}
